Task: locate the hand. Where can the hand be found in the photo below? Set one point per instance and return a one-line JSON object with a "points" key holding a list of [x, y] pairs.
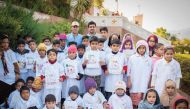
{"points": [[123, 71], [78, 77], [101, 63], [79, 107], [17, 76], [85, 62], [129, 84], [106, 105], [106, 72], [153, 87]]}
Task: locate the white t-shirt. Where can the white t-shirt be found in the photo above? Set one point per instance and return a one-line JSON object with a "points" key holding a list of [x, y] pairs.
{"points": [[10, 60], [139, 70], [164, 71], [70, 104], [117, 102], [94, 101], [93, 67], [40, 62]]}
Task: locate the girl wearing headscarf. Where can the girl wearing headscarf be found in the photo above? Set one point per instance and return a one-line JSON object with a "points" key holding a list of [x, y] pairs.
{"points": [[168, 94], [152, 41], [139, 71]]}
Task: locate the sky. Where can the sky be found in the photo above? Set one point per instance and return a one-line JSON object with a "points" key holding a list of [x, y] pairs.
{"points": [[174, 15]]}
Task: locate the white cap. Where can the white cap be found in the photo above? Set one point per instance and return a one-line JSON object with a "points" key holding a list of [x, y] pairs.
{"points": [[75, 23], [120, 85]]}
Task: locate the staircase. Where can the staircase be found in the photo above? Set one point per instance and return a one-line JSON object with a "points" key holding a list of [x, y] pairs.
{"points": [[123, 23]]}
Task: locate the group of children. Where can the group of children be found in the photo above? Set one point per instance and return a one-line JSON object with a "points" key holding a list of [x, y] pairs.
{"points": [[99, 73]]}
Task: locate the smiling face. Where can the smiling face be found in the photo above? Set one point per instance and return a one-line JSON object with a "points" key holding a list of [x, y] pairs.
{"points": [[75, 29], [94, 45], [168, 55]]}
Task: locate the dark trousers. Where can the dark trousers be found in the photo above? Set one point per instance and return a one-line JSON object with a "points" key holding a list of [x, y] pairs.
{"points": [[107, 95], [5, 90]]}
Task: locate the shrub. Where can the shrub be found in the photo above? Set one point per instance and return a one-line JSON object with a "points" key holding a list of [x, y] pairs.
{"points": [[184, 60]]}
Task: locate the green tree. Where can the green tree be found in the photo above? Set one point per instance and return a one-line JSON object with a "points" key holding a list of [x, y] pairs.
{"points": [[80, 8], [162, 32]]}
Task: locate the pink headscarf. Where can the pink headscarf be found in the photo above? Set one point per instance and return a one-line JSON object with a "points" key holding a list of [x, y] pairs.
{"points": [[72, 49], [178, 98]]}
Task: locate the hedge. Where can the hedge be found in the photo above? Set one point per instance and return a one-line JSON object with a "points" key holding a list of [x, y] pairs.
{"points": [[184, 60]]}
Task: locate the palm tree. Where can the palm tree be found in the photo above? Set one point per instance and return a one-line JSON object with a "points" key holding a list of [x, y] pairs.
{"points": [[80, 8]]}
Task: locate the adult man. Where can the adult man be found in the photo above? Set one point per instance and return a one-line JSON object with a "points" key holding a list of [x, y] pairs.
{"points": [[74, 35], [92, 30]]}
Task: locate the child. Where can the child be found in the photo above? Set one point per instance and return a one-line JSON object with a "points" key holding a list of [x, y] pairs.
{"points": [[93, 98], [180, 102], [60, 54], [26, 101], [116, 64], [50, 102], [168, 94], [102, 52], [112, 37], [81, 51], [27, 38], [164, 69], [21, 58], [92, 61], [47, 42], [151, 101], [10, 64], [31, 58], [63, 45], [104, 34], [120, 100], [52, 75], [36, 90], [85, 41], [41, 60], [158, 53], [13, 97], [152, 41], [74, 101], [29, 81], [72, 69], [128, 50], [139, 71]]}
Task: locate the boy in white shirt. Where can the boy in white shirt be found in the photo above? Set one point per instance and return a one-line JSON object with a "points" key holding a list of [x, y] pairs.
{"points": [[74, 101], [120, 100], [81, 51], [116, 67], [53, 76], [72, 69], [50, 102], [13, 97], [41, 60], [25, 100], [93, 61], [93, 98], [21, 58], [60, 54], [31, 58]]}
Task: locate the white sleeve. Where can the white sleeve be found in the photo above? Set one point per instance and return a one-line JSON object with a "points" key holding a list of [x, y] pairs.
{"points": [[179, 75], [101, 96], [129, 66], [177, 83], [13, 57], [129, 103], [81, 71], [153, 80]]}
